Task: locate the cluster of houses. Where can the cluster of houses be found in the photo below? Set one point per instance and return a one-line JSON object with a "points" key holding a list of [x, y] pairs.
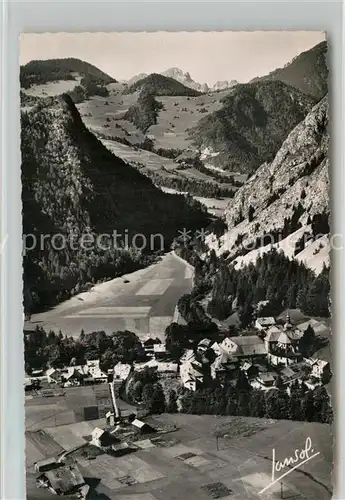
{"points": [[272, 353], [91, 373], [70, 376]]}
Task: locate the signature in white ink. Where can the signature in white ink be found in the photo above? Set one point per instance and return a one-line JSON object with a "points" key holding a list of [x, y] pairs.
{"points": [[299, 457]]}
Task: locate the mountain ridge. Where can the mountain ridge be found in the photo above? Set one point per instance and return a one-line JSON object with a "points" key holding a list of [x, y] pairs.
{"points": [[72, 186], [47, 70], [251, 126], [185, 78], [308, 71], [285, 198]]}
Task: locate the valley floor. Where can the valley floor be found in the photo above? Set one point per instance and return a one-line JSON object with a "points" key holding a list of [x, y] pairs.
{"points": [[188, 462]]}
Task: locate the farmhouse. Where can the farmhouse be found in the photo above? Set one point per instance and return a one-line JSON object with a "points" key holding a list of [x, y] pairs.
{"points": [[94, 371], [102, 438], [190, 373], [142, 427], [148, 343], [63, 480], [263, 381], [72, 377], [246, 347]]}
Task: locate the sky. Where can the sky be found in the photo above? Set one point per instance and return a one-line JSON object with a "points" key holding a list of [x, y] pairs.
{"points": [[207, 56]]}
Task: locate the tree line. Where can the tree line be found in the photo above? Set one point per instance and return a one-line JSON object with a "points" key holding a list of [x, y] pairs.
{"points": [[283, 282], [49, 349], [239, 399]]}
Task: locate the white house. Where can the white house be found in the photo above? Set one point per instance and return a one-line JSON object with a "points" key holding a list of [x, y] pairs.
{"points": [[95, 371], [191, 377], [263, 381], [263, 323], [159, 350], [102, 438], [121, 371], [148, 342], [320, 368], [216, 348], [53, 375], [229, 346]]}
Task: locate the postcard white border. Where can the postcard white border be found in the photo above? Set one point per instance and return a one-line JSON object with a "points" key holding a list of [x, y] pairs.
{"points": [[44, 16]]}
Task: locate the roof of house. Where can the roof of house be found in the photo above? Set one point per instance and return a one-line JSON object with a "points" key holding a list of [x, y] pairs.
{"points": [[246, 366], [50, 371], [122, 369], [139, 424], [249, 345], [45, 462], [266, 377], [310, 322], [150, 338], [97, 433], [220, 361], [188, 354], [319, 327], [216, 347], [92, 362], [120, 446], [65, 478], [205, 342], [266, 321], [273, 334], [284, 339], [287, 372], [189, 372]]}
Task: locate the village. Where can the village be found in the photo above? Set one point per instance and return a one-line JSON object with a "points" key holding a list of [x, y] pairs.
{"points": [[270, 357], [276, 351]]}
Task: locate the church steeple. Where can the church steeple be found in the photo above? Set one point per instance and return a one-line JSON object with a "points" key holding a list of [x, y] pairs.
{"points": [[288, 324]]}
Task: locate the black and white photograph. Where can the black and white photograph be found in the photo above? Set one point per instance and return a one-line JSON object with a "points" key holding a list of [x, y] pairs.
{"points": [[176, 265]]}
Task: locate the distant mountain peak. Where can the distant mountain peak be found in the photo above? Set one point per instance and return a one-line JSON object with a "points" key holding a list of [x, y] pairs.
{"points": [[185, 79]]}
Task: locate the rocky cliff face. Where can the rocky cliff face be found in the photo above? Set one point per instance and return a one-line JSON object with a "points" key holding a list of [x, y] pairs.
{"points": [[185, 79], [224, 84], [285, 200]]}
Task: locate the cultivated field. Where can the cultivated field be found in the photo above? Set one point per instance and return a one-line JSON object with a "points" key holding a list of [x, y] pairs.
{"points": [[189, 464], [144, 305], [179, 114]]}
